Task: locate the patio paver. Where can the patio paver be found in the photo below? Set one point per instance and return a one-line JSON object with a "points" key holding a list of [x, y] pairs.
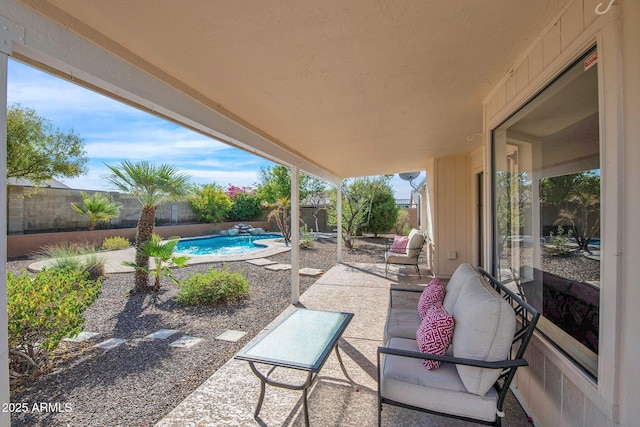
{"points": [[231, 336], [278, 267], [311, 272], [185, 342], [261, 261], [110, 343], [161, 334], [82, 336]]}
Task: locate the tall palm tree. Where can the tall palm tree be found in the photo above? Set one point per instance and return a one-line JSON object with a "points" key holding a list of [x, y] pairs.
{"points": [[98, 207], [152, 185]]}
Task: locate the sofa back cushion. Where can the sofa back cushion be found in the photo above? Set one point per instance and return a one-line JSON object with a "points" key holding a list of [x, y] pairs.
{"points": [[460, 277], [416, 239], [485, 326]]}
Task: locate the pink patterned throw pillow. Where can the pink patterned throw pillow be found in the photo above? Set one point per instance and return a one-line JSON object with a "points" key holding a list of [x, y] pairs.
{"points": [[435, 334], [432, 294], [400, 244]]}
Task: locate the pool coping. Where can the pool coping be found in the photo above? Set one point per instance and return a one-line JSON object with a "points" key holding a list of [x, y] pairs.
{"points": [[114, 259]]}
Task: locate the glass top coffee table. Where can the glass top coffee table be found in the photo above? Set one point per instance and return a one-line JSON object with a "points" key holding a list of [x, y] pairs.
{"points": [[303, 340]]}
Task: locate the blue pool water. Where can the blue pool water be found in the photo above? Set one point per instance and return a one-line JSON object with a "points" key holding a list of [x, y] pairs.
{"points": [[221, 245]]}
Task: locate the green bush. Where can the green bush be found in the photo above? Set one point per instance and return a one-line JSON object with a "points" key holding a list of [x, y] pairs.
{"points": [[41, 311], [210, 203], [115, 243], [213, 287]]}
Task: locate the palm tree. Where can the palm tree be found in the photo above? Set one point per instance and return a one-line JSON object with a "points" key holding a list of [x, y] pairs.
{"points": [[98, 207], [163, 259], [152, 185]]}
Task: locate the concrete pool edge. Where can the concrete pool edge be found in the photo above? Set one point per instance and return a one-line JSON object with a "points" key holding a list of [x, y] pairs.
{"points": [[114, 259]]}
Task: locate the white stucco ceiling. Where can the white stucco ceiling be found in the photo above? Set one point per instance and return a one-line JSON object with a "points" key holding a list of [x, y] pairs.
{"points": [[358, 87]]}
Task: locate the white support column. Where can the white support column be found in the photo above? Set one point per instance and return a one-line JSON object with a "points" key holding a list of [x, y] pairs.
{"points": [[5, 417], [295, 235], [339, 220]]}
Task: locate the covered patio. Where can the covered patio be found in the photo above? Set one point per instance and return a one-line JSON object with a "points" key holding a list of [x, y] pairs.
{"points": [[345, 89], [230, 395]]}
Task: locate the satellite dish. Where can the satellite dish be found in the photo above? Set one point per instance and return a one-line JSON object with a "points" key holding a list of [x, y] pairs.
{"points": [[409, 176]]}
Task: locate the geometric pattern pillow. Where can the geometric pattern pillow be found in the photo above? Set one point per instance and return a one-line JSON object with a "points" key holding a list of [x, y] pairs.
{"points": [[435, 334], [431, 295], [399, 245]]}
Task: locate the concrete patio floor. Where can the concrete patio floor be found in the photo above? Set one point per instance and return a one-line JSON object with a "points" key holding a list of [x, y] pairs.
{"points": [[229, 396]]}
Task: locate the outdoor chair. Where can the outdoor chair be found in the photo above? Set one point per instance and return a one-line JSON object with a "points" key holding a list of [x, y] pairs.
{"points": [[492, 328], [411, 254]]}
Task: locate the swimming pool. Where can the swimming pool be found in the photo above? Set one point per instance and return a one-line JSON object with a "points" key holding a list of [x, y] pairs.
{"points": [[222, 245]]}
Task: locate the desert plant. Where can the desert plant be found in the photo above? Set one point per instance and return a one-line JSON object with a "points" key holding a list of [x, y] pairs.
{"points": [[98, 207], [77, 256], [213, 287], [282, 217], [559, 242], [163, 259], [152, 185], [41, 311], [114, 243], [306, 237]]}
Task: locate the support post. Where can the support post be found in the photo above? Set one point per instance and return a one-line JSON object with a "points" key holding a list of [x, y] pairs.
{"points": [[295, 235], [5, 417], [339, 221]]}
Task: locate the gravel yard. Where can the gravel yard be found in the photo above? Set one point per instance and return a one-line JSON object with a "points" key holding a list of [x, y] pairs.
{"points": [[138, 382]]}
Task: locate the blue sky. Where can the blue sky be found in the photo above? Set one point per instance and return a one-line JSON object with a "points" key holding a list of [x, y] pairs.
{"points": [[114, 132]]}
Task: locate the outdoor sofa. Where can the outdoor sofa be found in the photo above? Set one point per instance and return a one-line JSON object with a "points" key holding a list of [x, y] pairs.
{"points": [[492, 328]]}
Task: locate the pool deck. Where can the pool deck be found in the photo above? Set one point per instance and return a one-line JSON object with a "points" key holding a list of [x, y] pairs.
{"points": [[114, 259]]}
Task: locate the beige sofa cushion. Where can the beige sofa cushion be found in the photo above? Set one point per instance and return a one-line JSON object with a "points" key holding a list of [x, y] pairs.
{"points": [[485, 325], [407, 380], [460, 277]]}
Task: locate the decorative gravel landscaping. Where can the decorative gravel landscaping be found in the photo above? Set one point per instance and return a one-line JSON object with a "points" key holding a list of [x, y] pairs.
{"points": [[139, 381]]}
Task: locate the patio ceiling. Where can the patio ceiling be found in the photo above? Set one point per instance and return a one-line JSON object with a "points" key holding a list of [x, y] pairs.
{"points": [[357, 87]]}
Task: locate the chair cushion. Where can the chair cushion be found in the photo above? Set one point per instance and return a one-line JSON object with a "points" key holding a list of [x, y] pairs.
{"points": [[485, 326], [416, 239], [434, 334], [406, 380], [433, 294], [400, 244], [394, 258], [401, 322]]}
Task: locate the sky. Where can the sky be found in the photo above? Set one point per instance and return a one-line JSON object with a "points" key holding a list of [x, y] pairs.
{"points": [[114, 132]]}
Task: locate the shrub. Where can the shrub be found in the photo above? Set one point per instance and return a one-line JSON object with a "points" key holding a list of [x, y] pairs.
{"points": [[245, 203], [403, 224], [76, 256], [306, 237], [41, 311], [559, 243], [210, 203], [213, 287], [115, 243]]}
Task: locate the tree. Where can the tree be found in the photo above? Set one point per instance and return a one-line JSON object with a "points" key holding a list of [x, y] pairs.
{"points": [[357, 197], [577, 199], [275, 183], [98, 207], [384, 211], [210, 203], [152, 185], [163, 259], [37, 151]]}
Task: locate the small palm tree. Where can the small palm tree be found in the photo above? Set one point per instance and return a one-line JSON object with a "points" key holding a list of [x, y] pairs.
{"points": [[152, 185], [163, 259], [98, 207]]}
